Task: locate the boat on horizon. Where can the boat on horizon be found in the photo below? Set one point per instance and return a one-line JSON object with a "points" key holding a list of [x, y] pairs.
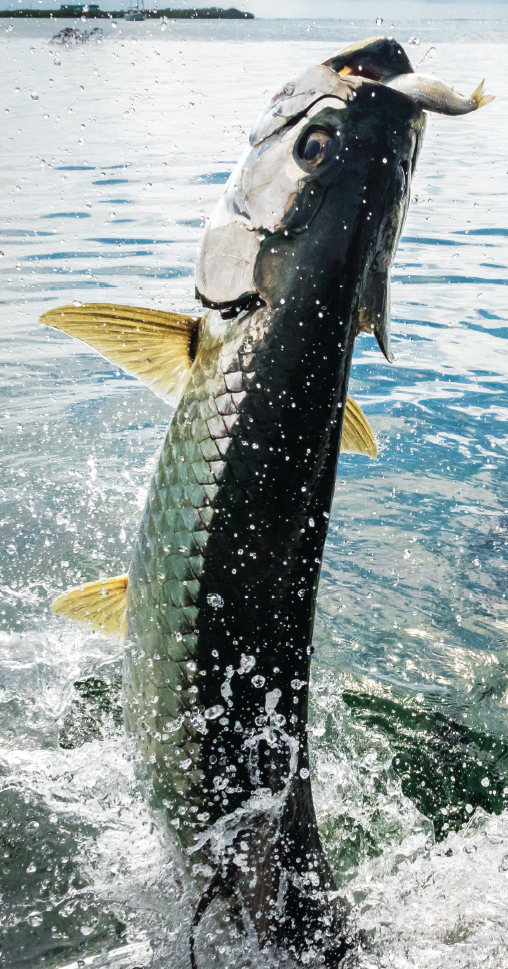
{"points": [[136, 12]]}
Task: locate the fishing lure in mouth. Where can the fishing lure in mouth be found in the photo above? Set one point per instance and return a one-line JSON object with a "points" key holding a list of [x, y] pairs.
{"points": [[217, 608]]}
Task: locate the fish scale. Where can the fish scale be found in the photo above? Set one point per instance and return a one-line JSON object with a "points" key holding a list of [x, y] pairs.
{"points": [[181, 497]]}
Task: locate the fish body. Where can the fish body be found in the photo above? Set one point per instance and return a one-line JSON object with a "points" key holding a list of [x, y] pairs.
{"points": [[218, 605], [430, 92], [223, 582]]}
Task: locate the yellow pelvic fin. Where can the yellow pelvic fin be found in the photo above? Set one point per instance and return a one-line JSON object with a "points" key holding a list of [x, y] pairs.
{"points": [[356, 433], [102, 605], [480, 97], [152, 345]]}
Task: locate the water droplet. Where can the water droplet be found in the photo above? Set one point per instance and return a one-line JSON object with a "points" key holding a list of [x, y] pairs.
{"points": [[379, 21], [297, 684], [304, 773], [485, 782], [226, 689], [272, 700], [214, 600], [258, 681], [312, 523], [213, 712], [414, 41], [247, 663]]}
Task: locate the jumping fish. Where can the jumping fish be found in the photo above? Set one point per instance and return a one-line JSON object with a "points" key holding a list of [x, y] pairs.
{"points": [[217, 608]]}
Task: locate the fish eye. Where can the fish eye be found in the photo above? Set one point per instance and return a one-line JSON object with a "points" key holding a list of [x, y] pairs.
{"points": [[316, 147]]}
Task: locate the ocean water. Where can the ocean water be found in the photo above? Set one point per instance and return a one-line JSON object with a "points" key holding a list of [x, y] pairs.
{"points": [[117, 150]]}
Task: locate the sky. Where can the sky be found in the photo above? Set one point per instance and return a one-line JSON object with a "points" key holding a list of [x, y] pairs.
{"points": [[389, 10], [370, 9]]}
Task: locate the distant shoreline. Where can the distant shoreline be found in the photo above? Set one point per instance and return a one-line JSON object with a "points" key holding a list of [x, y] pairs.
{"points": [[205, 13]]}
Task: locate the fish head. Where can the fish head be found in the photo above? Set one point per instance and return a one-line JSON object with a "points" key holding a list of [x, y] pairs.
{"points": [[313, 211]]}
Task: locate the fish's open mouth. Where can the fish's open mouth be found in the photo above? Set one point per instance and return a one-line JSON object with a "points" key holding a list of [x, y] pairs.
{"points": [[375, 59], [357, 71]]}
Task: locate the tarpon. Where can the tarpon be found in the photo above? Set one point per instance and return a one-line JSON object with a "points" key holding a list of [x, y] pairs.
{"points": [[218, 604]]}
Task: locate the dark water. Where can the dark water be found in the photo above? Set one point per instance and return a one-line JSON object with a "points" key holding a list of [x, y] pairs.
{"points": [[118, 151]]}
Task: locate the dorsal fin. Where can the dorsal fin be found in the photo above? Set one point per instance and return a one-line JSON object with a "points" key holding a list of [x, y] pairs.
{"points": [[356, 433], [152, 345], [102, 605]]}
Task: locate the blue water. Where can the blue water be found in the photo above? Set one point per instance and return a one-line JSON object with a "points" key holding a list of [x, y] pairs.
{"points": [[117, 153]]}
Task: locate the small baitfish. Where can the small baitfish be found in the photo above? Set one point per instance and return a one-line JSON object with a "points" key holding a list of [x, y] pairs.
{"points": [[217, 608]]}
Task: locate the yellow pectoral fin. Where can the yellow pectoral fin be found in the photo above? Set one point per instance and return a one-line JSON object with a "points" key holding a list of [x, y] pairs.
{"points": [[152, 345], [102, 605], [356, 433]]}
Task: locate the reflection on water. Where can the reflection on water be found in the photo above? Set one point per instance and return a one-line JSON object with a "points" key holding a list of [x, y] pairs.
{"points": [[119, 150]]}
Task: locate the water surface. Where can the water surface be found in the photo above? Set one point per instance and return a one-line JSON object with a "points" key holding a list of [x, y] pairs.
{"points": [[117, 153]]}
